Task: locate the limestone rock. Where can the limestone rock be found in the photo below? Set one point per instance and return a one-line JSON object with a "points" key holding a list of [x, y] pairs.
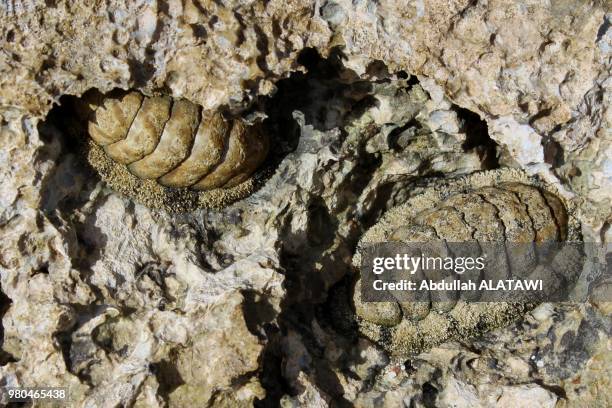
{"points": [[364, 100]]}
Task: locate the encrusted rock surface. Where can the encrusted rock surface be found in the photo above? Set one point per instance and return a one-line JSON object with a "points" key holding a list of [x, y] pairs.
{"points": [[132, 306]]}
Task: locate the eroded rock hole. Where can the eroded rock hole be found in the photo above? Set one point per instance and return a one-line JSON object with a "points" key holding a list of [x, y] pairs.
{"points": [[168, 377], [326, 94], [160, 151], [477, 137], [5, 304]]}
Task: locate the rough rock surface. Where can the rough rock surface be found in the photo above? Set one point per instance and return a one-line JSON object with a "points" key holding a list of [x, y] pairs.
{"points": [[137, 307]]}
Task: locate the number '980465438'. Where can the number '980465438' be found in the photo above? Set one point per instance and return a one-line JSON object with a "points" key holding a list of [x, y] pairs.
{"points": [[18, 394]]}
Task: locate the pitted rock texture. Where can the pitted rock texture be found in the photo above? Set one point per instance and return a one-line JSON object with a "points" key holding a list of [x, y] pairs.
{"points": [[404, 90], [503, 205]]}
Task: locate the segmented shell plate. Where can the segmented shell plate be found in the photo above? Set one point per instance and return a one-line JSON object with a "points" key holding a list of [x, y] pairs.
{"points": [[501, 205], [169, 152]]}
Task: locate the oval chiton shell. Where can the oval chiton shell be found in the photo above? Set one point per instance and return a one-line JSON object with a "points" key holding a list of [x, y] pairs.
{"points": [[169, 152], [503, 205]]}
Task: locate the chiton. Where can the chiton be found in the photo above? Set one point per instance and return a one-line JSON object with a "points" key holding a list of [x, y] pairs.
{"points": [[503, 205], [169, 152]]}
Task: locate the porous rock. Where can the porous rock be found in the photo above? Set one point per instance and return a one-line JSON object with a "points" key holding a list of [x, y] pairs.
{"points": [[102, 294]]}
